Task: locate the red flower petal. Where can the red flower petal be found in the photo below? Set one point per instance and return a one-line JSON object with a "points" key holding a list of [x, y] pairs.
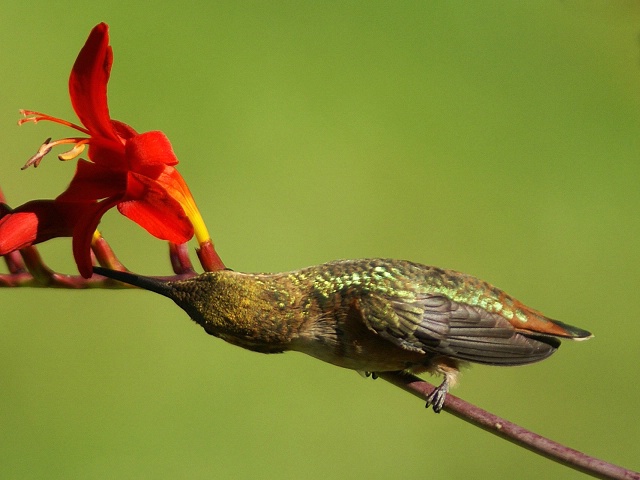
{"points": [[88, 83], [172, 181], [83, 234], [107, 153], [148, 151], [17, 230], [38, 221], [93, 182], [123, 130], [155, 210], [163, 224]]}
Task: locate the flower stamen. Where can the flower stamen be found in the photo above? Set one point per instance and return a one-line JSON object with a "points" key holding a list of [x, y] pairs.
{"points": [[75, 151], [35, 117], [37, 158], [45, 148]]}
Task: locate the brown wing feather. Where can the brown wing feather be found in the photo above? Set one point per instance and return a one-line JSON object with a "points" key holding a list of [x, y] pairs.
{"points": [[436, 324]]}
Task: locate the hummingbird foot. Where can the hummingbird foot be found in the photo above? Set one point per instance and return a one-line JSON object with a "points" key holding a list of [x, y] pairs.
{"points": [[366, 374], [437, 397]]}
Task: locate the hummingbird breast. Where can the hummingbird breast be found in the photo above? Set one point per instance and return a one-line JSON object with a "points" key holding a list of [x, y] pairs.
{"points": [[342, 338]]}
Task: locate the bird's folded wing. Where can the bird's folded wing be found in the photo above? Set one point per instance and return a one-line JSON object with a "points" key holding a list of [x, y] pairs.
{"points": [[435, 324]]}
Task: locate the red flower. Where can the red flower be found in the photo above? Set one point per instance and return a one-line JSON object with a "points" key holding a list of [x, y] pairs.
{"points": [[37, 221], [131, 171]]}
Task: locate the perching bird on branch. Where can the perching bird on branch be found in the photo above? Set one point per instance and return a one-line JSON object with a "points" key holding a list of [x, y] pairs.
{"points": [[372, 315]]}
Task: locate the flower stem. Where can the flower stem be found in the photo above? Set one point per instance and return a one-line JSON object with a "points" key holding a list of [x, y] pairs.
{"points": [[105, 255], [209, 258], [14, 263], [179, 257], [42, 274]]}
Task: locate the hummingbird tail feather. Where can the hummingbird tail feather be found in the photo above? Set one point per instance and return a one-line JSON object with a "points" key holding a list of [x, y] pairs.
{"points": [[573, 333]]}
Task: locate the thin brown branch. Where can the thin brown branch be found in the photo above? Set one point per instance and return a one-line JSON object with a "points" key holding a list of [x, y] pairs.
{"points": [[27, 269], [72, 282], [35, 273], [512, 432]]}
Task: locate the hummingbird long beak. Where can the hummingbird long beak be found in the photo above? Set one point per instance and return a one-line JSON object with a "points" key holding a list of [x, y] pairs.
{"points": [[148, 283]]}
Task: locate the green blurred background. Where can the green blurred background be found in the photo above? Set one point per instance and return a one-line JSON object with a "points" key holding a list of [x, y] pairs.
{"points": [[496, 138]]}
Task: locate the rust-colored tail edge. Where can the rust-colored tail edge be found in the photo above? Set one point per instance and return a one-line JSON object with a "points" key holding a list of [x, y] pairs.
{"points": [[572, 333]]}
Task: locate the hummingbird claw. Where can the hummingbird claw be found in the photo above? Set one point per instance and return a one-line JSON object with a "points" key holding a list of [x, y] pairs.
{"points": [[366, 374], [437, 397]]}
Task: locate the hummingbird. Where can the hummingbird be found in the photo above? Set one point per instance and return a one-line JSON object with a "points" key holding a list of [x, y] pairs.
{"points": [[369, 315]]}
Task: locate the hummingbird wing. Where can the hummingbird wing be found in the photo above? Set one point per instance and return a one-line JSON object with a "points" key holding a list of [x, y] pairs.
{"points": [[436, 324]]}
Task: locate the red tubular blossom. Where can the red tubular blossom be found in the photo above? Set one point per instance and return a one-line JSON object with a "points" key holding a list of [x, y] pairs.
{"points": [[37, 221], [125, 169]]}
